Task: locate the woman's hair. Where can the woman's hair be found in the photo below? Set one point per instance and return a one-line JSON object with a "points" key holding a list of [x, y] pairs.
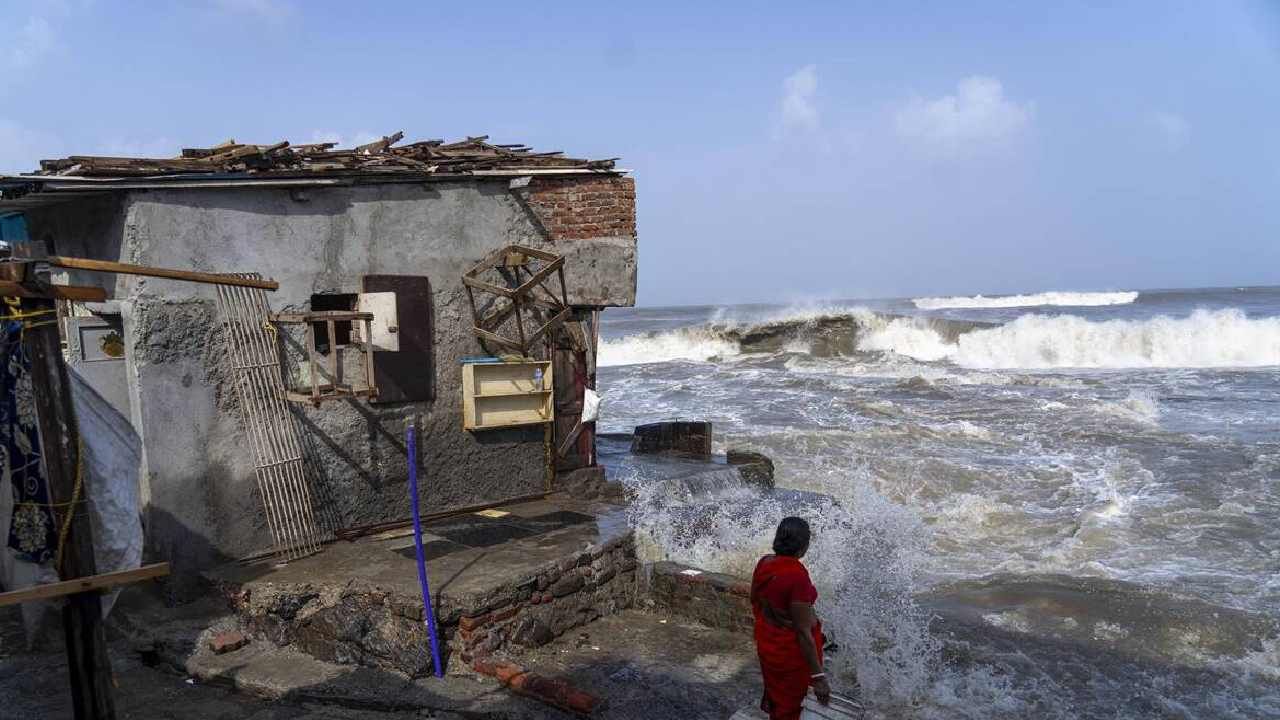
{"points": [[792, 538]]}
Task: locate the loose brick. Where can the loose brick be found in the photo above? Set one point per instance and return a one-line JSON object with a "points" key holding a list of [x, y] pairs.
{"points": [[225, 642]]}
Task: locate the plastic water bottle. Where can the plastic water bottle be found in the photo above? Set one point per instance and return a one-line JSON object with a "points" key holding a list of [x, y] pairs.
{"points": [[537, 379]]}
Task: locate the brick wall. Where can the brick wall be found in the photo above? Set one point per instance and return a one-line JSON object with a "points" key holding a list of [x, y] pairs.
{"points": [[590, 206]]}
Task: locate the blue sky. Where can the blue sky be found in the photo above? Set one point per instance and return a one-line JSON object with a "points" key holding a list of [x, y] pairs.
{"points": [[783, 152]]}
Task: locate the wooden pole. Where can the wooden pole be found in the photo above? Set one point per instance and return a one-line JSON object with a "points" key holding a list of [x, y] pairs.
{"points": [[60, 446], [75, 263]]}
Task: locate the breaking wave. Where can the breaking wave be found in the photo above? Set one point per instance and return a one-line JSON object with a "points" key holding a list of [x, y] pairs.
{"points": [[1204, 339], [1067, 299]]}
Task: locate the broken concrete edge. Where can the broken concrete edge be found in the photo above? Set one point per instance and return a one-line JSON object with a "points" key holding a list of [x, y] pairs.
{"points": [[552, 691], [358, 623], [590, 483], [264, 669], [712, 599]]}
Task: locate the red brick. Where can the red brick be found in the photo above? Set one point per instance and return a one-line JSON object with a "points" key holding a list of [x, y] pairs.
{"points": [[473, 622], [505, 614], [225, 642]]}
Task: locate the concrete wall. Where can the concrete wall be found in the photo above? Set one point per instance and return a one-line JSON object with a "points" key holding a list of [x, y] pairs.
{"points": [[202, 502]]}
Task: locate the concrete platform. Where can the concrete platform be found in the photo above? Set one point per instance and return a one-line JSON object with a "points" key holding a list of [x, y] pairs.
{"points": [[521, 574]]}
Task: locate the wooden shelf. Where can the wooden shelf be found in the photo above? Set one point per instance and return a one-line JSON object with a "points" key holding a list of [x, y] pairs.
{"points": [[503, 395], [511, 393]]}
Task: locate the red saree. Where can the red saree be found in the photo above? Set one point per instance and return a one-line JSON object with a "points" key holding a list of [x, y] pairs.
{"points": [[778, 581]]}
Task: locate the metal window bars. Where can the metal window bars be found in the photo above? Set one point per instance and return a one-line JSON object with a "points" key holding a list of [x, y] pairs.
{"points": [[254, 359]]}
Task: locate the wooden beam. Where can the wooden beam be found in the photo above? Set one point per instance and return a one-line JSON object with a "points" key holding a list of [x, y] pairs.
{"points": [[148, 271], [82, 293], [87, 661], [93, 583]]}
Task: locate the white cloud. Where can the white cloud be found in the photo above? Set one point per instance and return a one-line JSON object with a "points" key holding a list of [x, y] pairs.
{"points": [[977, 114], [265, 9], [1173, 129], [797, 108]]}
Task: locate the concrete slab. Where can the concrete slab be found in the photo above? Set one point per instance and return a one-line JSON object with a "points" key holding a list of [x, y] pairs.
{"points": [[455, 576], [520, 575], [654, 667]]}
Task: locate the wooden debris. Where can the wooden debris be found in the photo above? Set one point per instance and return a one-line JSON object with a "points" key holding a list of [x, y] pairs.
{"points": [[283, 158]]}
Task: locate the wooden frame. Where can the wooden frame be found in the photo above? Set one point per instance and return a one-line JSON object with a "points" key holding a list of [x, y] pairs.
{"points": [[515, 259], [319, 391]]}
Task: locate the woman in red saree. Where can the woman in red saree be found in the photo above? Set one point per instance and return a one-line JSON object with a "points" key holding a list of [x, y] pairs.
{"points": [[787, 632]]}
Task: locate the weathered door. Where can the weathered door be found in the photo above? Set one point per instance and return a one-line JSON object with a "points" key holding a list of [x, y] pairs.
{"points": [[571, 355]]}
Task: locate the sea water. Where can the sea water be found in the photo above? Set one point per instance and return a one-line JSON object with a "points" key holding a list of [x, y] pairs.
{"points": [[1051, 505]]}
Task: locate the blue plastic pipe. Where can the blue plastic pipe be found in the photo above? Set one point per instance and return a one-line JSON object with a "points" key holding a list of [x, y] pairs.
{"points": [[417, 546]]}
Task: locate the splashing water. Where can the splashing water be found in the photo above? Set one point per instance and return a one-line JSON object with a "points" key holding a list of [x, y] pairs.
{"points": [[863, 559]]}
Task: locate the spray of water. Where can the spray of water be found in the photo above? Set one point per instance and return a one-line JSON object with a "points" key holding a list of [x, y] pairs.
{"points": [[864, 558]]}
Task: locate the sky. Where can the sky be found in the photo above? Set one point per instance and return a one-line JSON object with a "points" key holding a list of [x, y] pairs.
{"points": [[783, 152]]}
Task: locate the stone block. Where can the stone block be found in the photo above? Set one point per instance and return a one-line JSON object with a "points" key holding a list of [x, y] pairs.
{"points": [[567, 585], [683, 438]]}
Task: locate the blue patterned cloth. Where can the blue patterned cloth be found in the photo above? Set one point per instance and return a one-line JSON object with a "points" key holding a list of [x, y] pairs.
{"points": [[32, 534]]}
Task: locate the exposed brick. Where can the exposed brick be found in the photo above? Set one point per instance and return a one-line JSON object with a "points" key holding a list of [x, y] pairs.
{"points": [[501, 615], [472, 622], [584, 207]]}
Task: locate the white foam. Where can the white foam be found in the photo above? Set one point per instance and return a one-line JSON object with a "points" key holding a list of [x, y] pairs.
{"points": [[1220, 338], [1069, 299], [865, 560], [694, 343], [1139, 405], [912, 337]]}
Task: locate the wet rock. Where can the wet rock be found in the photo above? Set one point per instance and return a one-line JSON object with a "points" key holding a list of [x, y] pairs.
{"points": [[755, 468], [568, 585], [532, 632]]}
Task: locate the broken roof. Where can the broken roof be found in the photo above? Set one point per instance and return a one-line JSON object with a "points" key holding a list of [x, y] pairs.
{"points": [[282, 164], [285, 159]]}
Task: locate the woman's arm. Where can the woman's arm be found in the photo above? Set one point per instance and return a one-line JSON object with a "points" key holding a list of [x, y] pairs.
{"points": [[802, 619]]}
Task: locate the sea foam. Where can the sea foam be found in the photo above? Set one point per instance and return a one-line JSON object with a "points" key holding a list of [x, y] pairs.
{"points": [[1204, 339], [1068, 299]]}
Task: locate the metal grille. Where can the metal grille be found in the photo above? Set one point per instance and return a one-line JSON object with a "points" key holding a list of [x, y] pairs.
{"points": [[253, 355]]}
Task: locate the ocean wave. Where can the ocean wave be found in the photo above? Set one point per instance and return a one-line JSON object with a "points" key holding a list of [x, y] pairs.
{"points": [[691, 343], [1220, 338], [1204, 339], [1066, 299]]}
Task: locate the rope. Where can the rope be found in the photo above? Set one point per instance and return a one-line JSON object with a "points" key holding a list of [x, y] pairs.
{"points": [[75, 498]]}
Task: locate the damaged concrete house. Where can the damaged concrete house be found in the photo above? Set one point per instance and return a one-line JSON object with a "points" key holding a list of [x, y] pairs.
{"points": [[372, 323], [307, 379]]}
